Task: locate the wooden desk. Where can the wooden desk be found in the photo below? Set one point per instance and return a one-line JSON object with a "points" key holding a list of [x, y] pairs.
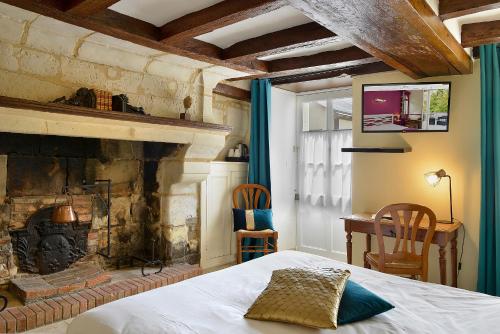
{"points": [[363, 223]]}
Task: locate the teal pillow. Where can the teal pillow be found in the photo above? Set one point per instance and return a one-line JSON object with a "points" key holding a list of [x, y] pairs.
{"points": [[358, 304], [253, 220]]}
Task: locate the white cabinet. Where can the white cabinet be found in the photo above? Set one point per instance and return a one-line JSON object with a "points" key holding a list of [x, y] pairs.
{"points": [[218, 242]]}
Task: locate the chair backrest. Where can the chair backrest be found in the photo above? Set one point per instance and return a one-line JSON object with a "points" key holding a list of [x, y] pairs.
{"points": [[251, 194], [403, 224]]}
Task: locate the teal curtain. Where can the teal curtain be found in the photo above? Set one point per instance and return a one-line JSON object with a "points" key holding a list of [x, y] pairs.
{"points": [[259, 166], [489, 244], [259, 170]]}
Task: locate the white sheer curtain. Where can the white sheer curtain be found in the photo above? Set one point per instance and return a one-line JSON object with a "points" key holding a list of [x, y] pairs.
{"points": [[324, 188]]}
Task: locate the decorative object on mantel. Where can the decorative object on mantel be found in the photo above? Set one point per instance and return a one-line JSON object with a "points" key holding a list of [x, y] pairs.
{"points": [[103, 99], [100, 100], [83, 97], [64, 109], [188, 101], [238, 154], [120, 103]]}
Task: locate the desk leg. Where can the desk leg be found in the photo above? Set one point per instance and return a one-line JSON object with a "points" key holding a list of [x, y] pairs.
{"points": [[368, 249], [442, 263], [454, 262], [349, 247]]}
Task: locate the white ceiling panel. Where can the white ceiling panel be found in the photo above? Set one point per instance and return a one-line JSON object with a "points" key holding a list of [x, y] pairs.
{"points": [[307, 51], [283, 18], [316, 85], [159, 12]]}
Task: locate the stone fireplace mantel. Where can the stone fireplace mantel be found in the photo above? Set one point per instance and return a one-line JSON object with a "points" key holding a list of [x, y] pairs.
{"points": [[204, 140]]}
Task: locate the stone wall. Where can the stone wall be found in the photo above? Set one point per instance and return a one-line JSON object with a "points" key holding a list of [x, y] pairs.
{"points": [[42, 59]]}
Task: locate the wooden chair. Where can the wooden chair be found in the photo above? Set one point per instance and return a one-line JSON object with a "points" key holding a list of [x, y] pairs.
{"points": [[251, 194], [403, 261]]}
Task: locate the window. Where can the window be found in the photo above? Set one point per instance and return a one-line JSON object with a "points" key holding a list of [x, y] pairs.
{"points": [[327, 114]]}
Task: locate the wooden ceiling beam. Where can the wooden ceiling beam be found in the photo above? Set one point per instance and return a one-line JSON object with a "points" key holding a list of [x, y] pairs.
{"points": [[476, 34], [324, 61], [87, 7], [305, 35], [217, 16], [449, 9], [232, 92], [133, 30], [405, 34], [353, 71]]}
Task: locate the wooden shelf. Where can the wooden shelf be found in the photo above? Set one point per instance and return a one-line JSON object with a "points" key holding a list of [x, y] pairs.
{"points": [[376, 149], [59, 108], [234, 159]]}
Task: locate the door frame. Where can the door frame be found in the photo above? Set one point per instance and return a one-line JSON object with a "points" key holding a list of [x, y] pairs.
{"points": [[327, 95]]}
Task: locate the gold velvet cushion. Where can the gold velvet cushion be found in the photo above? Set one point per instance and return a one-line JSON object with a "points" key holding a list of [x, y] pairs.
{"points": [[308, 297]]}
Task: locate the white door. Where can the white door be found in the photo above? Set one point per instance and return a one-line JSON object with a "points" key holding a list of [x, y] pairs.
{"points": [[324, 172]]}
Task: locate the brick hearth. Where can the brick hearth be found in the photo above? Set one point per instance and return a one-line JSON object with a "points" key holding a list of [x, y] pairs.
{"points": [[30, 289], [41, 313]]}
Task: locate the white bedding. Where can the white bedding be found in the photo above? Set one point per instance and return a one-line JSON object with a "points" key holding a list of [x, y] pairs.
{"points": [[216, 303]]}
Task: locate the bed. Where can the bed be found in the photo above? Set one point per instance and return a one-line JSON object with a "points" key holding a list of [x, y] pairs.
{"points": [[216, 303]]}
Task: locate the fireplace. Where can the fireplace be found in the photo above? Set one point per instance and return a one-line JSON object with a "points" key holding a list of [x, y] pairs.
{"points": [[41, 169], [45, 247]]}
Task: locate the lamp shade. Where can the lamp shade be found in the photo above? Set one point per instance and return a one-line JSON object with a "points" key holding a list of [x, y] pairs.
{"points": [[433, 178]]}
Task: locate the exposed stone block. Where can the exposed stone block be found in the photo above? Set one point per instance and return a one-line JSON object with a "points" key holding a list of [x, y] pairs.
{"points": [[180, 61], [122, 81], [123, 174], [27, 87], [11, 30], [109, 41], [63, 37], [120, 149], [82, 73], [179, 208], [111, 56], [16, 14], [39, 63], [8, 59]]}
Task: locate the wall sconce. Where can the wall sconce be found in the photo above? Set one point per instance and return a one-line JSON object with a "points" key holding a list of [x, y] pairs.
{"points": [[433, 179]]}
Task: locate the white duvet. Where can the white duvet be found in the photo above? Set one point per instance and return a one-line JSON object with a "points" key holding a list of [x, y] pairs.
{"points": [[216, 303]]}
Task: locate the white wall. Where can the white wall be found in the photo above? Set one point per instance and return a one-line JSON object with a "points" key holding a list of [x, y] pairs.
{"points": [[283, 166], [381, 179]]}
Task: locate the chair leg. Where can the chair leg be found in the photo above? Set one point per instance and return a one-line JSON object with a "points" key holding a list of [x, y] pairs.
{"points": [[275, 242], [239, 257], [266, 250]]}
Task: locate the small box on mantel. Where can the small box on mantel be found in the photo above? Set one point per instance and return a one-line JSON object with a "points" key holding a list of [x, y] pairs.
{"points": [[104, 99]]}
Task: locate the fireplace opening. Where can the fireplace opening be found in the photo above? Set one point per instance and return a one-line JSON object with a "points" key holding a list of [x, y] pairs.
{"points": [[39, 171]]}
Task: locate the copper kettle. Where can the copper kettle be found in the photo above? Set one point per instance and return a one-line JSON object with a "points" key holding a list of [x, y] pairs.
{"points": [[64, 214]]}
